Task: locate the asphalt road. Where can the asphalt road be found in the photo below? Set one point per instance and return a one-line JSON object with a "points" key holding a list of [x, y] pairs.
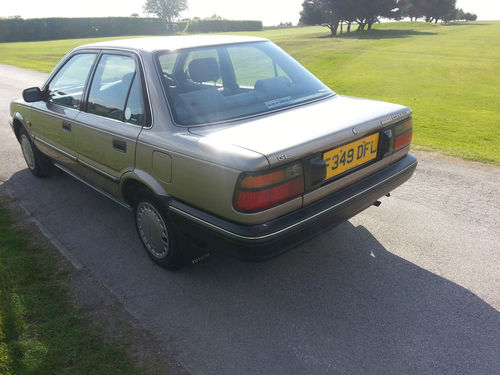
{"points": [[411, 287]]}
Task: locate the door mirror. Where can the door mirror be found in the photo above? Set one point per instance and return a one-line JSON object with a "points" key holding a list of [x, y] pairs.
{"points": [[32, 94]]}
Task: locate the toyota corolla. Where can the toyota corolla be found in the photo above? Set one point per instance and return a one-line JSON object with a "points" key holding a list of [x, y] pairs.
{"points": [[214, 142]]}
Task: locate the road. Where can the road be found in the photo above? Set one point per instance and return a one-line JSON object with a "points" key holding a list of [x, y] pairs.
{"points": [[411, 287]]}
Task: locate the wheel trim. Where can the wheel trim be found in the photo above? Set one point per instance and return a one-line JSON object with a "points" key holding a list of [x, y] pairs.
{"points": [[152, 230], [28, 152]]}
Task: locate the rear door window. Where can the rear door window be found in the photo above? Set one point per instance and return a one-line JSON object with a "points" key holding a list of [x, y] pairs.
{"points": [[111, 86], [134, 110]]}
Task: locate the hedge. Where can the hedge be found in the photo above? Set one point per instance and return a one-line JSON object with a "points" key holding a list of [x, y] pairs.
{"points": [[214, 26], [20, 30], [36, 29]]}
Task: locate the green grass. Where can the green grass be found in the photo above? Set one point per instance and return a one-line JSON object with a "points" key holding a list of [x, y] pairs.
{"points": [[41, 332], [448, 75]]}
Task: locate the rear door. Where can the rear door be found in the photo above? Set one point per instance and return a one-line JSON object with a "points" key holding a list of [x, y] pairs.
{"points": [[105, 133]]}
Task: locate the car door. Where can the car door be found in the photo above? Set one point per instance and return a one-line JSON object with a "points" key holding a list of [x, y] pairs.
{"points": [[106, 132], [52, 119]]}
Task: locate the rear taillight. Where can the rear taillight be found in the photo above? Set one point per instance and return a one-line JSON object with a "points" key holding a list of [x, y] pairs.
{"points": [[258, 191], [397, 137], [403, 140]]}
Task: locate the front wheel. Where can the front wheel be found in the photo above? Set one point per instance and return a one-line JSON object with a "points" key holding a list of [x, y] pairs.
{"points": [[38, 164], [156, 233]]}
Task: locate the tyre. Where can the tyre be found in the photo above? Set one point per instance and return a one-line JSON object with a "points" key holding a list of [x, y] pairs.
{"points": [[38, 164], [158, 235]]}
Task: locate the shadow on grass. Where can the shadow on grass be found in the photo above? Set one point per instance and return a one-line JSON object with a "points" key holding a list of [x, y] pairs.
{"points": [[382, 34], [451, 24]]}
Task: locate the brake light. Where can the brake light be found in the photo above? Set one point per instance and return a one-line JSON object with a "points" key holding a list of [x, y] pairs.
{"points": [[256, 192], [403, 140]]}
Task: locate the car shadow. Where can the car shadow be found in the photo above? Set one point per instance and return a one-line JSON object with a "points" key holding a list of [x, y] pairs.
{"points": [[341, 303]]}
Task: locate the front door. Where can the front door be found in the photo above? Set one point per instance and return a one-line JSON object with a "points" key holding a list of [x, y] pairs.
{"points": [[53, 118]]}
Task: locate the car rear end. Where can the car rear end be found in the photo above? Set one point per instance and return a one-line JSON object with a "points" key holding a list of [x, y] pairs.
{"points": [[328, 156], [349, 171]]}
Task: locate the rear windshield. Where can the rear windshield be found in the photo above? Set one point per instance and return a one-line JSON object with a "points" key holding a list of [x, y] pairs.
{"points": [[219, 83]]}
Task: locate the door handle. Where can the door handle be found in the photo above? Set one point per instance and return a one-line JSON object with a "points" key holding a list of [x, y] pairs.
{"points": [[66, 126], [119, 145]]}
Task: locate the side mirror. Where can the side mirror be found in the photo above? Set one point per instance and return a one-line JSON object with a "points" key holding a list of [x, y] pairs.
{"points": [[32, 94]]}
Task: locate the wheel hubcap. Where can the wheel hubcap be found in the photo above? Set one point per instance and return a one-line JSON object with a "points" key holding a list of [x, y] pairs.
{"points": [[28, 152], [152, 230]]}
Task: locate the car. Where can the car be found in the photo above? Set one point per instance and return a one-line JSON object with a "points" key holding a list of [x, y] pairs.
{"points": [[216, 143]]}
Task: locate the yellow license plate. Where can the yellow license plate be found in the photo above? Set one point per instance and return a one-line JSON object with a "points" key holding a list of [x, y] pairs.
{"points": [[343, 158]]}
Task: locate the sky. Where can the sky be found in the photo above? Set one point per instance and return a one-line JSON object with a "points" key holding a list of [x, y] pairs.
{"points": [[271, 12]]}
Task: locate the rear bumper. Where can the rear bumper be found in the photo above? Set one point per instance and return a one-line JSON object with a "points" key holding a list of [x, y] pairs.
{"points": [[265, 240]]}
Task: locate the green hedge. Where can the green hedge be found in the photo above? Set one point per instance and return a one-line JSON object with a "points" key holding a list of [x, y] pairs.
{"points": [[215, 26], [19, 30]]}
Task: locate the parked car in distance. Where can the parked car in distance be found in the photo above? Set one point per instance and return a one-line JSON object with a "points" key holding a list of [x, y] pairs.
{"points": [[215, 142]]}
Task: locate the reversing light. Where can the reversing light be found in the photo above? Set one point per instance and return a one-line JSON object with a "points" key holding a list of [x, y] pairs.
{"points": [[258, 191]]}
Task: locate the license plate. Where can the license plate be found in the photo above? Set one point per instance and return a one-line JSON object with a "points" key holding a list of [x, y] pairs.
{"points": [[351, 155]]}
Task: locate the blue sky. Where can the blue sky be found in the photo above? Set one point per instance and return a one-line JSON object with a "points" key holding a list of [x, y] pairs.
{"points": [[271, 12]]}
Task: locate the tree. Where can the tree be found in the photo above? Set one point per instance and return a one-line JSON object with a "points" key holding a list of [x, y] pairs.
{"points": [[167, 10], [411, 9], [435, 10], [320, 12], [470, 16], [369, 11]]}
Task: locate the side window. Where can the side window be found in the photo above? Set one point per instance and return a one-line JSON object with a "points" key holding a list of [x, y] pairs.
{"points": [[134, 110], [66, 88], [251, 65], [111, 85]]}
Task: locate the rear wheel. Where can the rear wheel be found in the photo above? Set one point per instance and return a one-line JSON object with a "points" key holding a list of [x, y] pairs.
{"points": [[157, 234], [38, 164]]}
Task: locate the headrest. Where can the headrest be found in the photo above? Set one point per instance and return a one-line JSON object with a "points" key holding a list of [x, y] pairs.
{"points": [[203, 70]]}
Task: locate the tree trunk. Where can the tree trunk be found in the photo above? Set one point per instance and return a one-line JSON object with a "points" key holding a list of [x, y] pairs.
{"points": [[333, 28], [349, 26], [341, 27]]}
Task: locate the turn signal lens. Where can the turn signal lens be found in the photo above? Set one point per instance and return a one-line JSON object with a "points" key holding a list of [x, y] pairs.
{"points": [[257, 192], [253, 182]]}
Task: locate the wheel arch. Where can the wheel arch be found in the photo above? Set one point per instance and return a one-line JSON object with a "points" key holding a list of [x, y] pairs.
{"points": [[137, 180], [18, 123]]}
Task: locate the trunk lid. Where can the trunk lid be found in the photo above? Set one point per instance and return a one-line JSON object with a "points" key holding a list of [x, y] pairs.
{"points": [[295, 133]]}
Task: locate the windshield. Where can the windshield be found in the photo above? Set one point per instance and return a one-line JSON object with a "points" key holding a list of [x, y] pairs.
{"points": [[219, 83]]}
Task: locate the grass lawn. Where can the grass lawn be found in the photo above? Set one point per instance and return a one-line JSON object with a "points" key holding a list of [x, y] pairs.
{"points": [[448, 75], [40, 330]]}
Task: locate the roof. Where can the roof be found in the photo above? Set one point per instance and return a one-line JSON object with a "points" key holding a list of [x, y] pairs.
{"points": [[172, 43]]}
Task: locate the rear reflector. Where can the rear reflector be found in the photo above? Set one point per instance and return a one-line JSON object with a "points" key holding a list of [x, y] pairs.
{"points": [[403, 140], [258, 191]]}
